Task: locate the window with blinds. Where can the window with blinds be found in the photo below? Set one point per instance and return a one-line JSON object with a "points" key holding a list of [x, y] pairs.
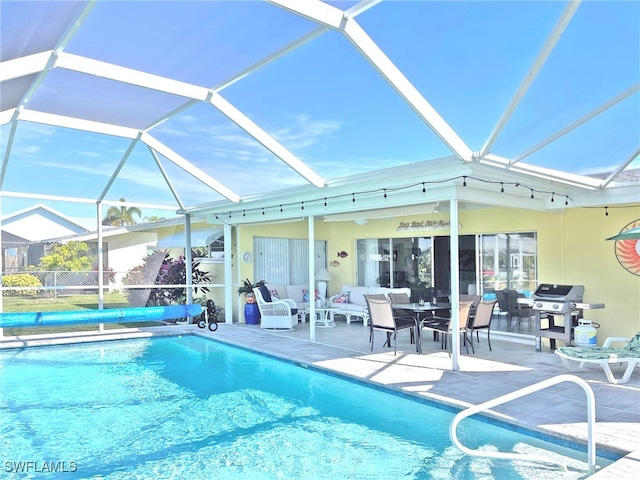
{"points": [[284, 261]]}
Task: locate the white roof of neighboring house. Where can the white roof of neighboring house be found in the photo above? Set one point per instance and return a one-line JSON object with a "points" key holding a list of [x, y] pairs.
{"points": [[40, 223], [201, 234]]}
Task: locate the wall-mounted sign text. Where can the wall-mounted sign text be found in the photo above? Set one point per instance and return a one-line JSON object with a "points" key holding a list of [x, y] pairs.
{"points": [[424, 225]]}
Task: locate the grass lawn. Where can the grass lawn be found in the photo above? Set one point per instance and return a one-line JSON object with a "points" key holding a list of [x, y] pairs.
{"points": [[62, 302], [67, 303]]}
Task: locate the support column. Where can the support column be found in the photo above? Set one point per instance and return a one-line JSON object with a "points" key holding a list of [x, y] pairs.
{"points": [[455, 282]]}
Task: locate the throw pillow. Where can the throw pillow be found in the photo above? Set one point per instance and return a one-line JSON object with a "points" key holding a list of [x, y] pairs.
{"points": [[274, 295], [266, 296], [305, 295], [341, 298]]}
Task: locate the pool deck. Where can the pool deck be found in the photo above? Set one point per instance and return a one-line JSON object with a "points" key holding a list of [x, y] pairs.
{"points": [[559, 409]]}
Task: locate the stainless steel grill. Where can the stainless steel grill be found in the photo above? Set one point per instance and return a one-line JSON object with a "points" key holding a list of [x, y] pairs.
{"points": [[552, 301], [557, 298]]}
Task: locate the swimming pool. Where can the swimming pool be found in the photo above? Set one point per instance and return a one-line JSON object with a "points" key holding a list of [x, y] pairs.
{"points": [[192, 408]]}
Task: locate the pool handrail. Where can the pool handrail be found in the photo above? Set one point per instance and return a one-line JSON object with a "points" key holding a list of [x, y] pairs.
{"points": [[591, 420]]}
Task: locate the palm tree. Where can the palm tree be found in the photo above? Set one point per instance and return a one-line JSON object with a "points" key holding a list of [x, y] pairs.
{"points": [[121, 215], [153, 218]]}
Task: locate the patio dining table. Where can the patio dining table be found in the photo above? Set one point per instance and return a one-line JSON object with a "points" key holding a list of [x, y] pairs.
{"points": [[417, 308]]}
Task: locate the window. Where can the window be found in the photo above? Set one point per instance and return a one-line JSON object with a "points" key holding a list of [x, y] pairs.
{"points": [[394, 262], [284, 261], [509, 260]]}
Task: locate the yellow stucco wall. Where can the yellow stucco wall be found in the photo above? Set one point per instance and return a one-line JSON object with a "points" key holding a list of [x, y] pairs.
{"points": [[571, 250]]}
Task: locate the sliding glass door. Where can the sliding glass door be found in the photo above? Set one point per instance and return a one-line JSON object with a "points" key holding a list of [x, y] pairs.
{"points": [[509, 261], [395, 262]]}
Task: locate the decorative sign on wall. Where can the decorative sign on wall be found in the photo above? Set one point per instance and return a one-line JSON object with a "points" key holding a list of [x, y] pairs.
{"points": [[424, 225], [628, 249]]}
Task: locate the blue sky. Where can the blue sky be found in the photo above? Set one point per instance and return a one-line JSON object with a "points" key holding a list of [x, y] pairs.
{"points": [[323, 101]]}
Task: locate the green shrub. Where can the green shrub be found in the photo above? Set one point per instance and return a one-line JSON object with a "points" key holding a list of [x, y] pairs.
{"points": [[21, 280]]}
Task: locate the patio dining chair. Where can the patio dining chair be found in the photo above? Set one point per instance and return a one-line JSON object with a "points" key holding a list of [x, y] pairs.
{"points": [[381, 318], [443, 326], [482, 320]]}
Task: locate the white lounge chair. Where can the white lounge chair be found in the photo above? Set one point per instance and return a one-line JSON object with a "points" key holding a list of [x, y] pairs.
{"points": [[604, 356], [275, 314]]}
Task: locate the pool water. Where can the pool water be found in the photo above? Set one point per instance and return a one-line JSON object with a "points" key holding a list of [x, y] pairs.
{"points": [[191, 408]]}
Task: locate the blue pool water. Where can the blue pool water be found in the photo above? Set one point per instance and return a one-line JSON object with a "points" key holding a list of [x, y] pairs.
{"points": [[191, 408]]}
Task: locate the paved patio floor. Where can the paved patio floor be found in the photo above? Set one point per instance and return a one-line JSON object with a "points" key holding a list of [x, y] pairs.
{"points": [[560, 409]]}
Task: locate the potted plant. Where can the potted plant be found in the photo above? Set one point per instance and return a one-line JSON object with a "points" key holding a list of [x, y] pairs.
{"points": [[247, 288], [251, 311]]}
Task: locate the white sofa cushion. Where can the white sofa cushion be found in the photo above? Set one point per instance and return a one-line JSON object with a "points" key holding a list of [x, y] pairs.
{"points": [[294, 292], [281, 289]]}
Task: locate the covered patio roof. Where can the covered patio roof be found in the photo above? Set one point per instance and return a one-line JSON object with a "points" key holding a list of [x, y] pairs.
{"points": [[281, 108]]}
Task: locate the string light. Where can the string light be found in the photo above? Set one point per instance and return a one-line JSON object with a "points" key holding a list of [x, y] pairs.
{"points": [[424, 189]]}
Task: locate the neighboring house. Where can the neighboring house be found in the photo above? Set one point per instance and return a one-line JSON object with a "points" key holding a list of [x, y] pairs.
{"points": [[14, 252], [124, 247], [41, 223], [26, 233]]}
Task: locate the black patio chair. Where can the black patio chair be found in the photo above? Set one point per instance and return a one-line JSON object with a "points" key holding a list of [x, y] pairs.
{"points": [[381, 317]]}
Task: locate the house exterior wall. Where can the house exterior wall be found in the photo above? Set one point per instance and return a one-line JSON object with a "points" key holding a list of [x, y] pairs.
{"points": [[127, 251], [571, 250]]}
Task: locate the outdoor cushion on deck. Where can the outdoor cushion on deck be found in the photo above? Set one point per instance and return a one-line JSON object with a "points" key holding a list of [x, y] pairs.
{"points": [[605, 355]]}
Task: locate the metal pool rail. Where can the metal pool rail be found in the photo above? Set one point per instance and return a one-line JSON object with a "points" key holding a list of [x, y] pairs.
{"points": [[591, 420]]}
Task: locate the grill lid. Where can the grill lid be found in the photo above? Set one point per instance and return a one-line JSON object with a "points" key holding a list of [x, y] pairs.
{"points": [[568, 293]]}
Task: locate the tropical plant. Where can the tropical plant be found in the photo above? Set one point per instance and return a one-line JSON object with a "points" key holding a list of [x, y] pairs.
{"points": [[160, 268], [121, 215], [153, 218], [247, 286]]}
